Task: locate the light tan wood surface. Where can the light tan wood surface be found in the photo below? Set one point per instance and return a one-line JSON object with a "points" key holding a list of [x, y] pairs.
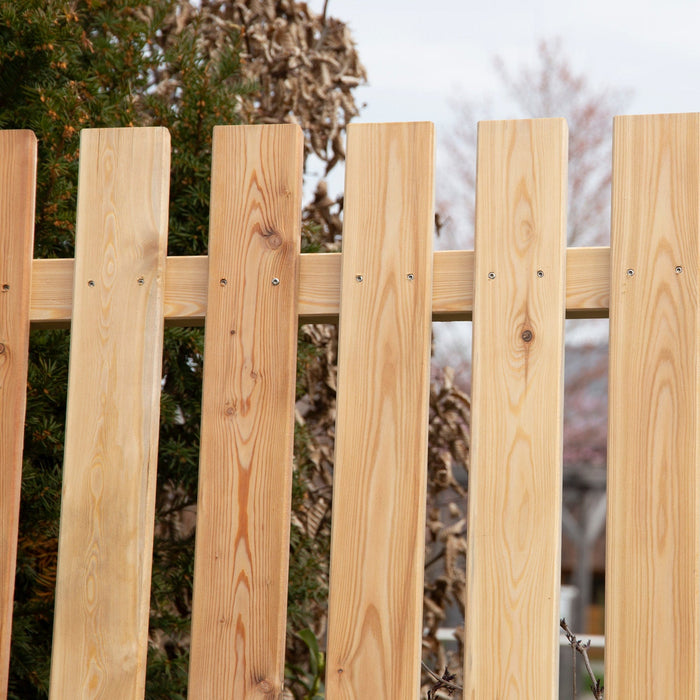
{"points": [[111, 451], [243, 512], [378, 530], [587, 287], [653, 531], [587, 282], [17, 188], [515, 475]]}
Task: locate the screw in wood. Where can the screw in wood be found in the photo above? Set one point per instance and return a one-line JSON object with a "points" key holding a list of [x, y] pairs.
{"points": [[679, 269], [358, 278], [141, 281], [540, 273], [275, 281], [409, 276], [5, 287], [91, 283], [492, 275], [223, 281], [630, 272]]}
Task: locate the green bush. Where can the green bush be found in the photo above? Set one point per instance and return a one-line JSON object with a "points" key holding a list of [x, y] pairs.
{"points": [[65, 66]]}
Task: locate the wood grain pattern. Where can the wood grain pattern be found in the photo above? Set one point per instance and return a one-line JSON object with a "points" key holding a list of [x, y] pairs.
{"points": [[108, 502], [377, 550], [243, 515], [587, 287], [17, 188], [515, 476], [653, 533], [587, 282]]}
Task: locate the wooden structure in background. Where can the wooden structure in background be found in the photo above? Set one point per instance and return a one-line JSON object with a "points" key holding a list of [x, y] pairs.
{"points": [[384, 289]]}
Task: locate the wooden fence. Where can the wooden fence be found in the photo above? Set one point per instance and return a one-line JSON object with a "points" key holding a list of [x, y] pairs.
{"points": [[517, 286]]}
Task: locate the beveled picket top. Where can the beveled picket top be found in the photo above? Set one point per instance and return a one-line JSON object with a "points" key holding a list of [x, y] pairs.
{"points": [[383, 290]]}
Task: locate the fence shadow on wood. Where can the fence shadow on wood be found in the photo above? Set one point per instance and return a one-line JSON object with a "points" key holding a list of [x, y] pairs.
{"points": [[517, 286]]}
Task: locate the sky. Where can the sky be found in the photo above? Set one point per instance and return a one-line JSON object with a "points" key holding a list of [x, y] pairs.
{"points": [[420, 53]]}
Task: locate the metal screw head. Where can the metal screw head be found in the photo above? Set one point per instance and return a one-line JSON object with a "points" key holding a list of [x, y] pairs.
{"points": [[409, 276], [141, 281], [91, 283], [358, 278], [679, 269], [275, 281], [223, 281], [492, 275], [540, 273], [5, 287], [630, 272]]}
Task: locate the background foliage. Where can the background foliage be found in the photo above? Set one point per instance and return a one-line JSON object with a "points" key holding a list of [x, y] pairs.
{"points": [[68, 65]]}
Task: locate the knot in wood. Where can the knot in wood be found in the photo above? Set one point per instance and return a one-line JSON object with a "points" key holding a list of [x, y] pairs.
{"points": [[272, 238], [2, 348], [265, 687]]}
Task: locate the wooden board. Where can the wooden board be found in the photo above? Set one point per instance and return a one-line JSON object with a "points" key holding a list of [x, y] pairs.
{"points": [[515, 475], [652, 620], [109, 476], [587, 287], [243, 512], [378, 531], [17, 188]]}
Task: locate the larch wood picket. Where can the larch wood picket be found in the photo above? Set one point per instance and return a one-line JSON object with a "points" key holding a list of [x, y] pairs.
{"points": [[515, 475], [378, 529], [111, 452], [243, 512], [17, 187], [653, 537]]}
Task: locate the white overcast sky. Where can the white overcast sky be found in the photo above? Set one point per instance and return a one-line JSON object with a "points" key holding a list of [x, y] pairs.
{"points": [[419, 53]]}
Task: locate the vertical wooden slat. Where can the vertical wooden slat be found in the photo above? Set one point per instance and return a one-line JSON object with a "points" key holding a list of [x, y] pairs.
{"points": [[653, 531], [381, 442], [514, 531], [107, 509], [17, 191], [243, 511]]}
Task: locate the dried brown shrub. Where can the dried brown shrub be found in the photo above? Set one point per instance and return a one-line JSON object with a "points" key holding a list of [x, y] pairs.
{"points": [[302, 68]]}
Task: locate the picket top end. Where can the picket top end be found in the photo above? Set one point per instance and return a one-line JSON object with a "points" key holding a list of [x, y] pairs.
{"points": [[122, 129], [251, 128], [15, 134], [659, 115], [537, 120]]}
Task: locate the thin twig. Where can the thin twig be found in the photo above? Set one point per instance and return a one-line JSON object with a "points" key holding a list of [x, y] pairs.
{"points": [[581, 648], [444, 682]]}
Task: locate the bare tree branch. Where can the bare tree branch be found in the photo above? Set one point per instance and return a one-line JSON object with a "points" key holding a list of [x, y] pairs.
{"points": [[444, 681], [581, 648]]}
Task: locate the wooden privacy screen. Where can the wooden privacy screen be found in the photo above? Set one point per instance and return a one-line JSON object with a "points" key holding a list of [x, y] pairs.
{"points": [[251, 292]]}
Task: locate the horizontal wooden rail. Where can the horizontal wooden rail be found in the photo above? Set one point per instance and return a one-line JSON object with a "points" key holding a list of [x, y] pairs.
{"points": [[587, 287]]}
